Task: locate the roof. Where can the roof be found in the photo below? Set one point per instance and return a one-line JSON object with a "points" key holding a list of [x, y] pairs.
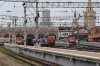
{"points": [[64, 28]]}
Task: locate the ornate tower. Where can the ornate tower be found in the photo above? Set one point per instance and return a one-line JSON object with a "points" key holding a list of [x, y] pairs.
{"points": [[90, 16], [74, 23]]}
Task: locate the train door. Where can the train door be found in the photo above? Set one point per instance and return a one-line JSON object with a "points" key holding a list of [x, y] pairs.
{"points": [[29, 40]]}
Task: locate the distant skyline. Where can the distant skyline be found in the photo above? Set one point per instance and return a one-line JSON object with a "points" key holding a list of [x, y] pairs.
{"points": [[17, 9]]}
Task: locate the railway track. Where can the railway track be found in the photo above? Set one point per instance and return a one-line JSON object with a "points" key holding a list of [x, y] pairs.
{"points": [[87, 48], [27, 59], [81, 48]]}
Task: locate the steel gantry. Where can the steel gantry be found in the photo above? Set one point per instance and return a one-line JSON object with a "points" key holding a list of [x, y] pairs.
{"points": [[19, 0], [30, 20], [32, 3], [5, 17], [64, 4]]}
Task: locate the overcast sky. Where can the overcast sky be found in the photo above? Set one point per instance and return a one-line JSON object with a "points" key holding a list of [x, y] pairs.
{"points": [[18, 9]]}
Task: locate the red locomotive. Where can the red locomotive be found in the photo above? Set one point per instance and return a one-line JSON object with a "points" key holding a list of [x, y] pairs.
{"points": [[19, 40], [51, 40], [72, 40]]}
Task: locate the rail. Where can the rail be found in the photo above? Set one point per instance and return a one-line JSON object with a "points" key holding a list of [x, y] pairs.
{"points": [[30, 60], [94, 44]]}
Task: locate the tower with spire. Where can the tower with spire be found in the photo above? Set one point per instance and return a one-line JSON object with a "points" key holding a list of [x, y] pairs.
{"points": [[90, 16], [74, 23]]}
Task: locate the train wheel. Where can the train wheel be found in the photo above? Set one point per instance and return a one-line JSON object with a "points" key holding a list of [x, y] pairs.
{"points": [[53, 45], [49, 45]]}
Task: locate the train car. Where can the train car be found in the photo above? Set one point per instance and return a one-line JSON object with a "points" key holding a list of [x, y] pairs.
{"points": [[19, 40], [51, 40], [2, 41], [72, 40], [5, 40]]}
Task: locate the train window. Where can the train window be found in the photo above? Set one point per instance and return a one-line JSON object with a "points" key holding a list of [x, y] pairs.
{"points": [[51, 37], [19, 38], [20, 29], [30, 29], [65, 34]]}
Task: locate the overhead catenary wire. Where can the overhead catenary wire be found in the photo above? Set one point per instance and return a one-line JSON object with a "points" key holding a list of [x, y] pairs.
{"points": [[13, 11], [2, 4], [30, 12]]}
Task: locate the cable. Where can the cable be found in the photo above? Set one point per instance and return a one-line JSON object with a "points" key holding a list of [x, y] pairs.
{"points": [[30, 12], [12, 10], [58, 0], [2, 4]]}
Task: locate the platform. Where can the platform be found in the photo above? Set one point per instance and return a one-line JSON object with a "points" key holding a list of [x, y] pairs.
{"points": [[64, 57]]}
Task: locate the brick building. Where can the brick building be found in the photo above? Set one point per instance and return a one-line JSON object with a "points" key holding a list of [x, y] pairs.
{"points": [[94, 35], [31, 33]]}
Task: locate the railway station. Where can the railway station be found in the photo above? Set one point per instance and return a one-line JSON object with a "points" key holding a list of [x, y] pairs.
{"points": [[51, 33]]}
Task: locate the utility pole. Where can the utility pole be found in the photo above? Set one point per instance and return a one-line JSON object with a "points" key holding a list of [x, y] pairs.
{"points": [[9, 31], [15, 18], [36, 19], [14, 26], [25, 21], [15, 31], [60, 32], [78, 34]]}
